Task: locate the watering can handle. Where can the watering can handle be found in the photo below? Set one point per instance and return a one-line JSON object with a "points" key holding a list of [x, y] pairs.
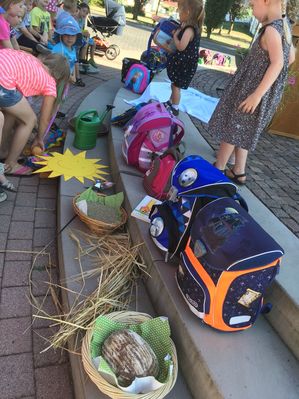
{"points": [[89, 112]]}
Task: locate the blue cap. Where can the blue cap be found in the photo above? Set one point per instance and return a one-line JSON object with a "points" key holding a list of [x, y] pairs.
{"points": [[2, 11], [68, 26]]}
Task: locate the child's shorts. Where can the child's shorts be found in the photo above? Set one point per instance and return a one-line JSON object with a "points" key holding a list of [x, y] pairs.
{"points": [[8, 98], [90, 41]]}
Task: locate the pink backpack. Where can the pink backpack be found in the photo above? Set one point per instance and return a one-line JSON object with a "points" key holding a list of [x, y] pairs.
{"points": [[157, 180], [151, 131], [137, 78]]}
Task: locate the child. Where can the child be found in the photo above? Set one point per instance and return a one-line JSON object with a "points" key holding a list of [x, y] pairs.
{"points": [[182, 65], [25, 34], [11, 8], [83, 11], [252, 97], [3, 179], [68, 35], [22, 75], [69, 8], [41, 21], [14, 22]]}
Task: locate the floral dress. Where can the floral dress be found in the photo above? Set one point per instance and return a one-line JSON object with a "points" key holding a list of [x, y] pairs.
{"points": [[234, 126]]}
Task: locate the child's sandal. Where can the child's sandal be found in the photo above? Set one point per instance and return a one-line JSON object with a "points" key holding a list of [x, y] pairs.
{"points": [[236, 178], [79, 82]]}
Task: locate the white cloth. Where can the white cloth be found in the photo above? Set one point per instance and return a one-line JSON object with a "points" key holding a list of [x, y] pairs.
{"points": [[194, 102]]}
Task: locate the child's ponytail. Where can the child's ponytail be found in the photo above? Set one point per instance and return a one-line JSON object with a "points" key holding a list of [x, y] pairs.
{"points": [[286, 26]]}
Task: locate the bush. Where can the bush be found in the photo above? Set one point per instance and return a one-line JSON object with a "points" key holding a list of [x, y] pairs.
{"points": [[130, 10], [98, 3]]}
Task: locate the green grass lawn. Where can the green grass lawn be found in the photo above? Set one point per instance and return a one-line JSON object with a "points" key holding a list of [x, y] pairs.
{"points": [[238, 37]]}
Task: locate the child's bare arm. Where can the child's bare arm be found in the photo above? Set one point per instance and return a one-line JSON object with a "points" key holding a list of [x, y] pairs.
{"points": [[34, 32], [187, 37], [14, 43], [6, 44], [28, 34], [45, 116], [292, 56], [273, 44]]}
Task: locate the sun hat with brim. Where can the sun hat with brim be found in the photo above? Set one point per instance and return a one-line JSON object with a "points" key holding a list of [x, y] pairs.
{"points": [[68, 26]]}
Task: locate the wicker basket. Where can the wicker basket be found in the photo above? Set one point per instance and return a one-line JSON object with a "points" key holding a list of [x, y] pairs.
{"points": [[110, 390], [97, 226]]}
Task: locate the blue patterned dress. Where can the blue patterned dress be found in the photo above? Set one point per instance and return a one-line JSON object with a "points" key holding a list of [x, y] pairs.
{"points": [[238, 128]]}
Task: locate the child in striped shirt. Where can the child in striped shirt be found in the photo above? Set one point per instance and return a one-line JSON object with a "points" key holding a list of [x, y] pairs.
{"points": [[21, 76]]}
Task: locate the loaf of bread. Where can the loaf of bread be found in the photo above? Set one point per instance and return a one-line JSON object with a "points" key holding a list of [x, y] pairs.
{"points": [[129, 356]]}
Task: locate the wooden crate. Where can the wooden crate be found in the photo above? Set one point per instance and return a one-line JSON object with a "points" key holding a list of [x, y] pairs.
{"points": [[286, 120]]}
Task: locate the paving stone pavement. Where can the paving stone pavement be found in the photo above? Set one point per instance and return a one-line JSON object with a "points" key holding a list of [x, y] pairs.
{"points": [[28, 222], [272, 169]]}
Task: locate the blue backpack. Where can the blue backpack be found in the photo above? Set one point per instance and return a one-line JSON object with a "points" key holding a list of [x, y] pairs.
{"points": [[155, 57], [194, 184]]}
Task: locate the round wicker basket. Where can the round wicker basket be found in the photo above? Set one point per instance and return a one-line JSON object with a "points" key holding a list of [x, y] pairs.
{"points": [[97, 226], [110, 390]]}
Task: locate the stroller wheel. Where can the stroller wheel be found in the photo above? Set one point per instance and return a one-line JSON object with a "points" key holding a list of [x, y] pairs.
{"points": [[116, 48], [111, 53]]}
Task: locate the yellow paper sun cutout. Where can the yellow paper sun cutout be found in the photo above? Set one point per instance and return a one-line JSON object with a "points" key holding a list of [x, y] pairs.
{"points": [[70, 165]]}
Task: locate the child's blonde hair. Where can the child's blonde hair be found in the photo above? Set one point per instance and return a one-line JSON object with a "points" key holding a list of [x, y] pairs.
{"points": [[58, 67], [286, 26], [70, 5], [6, 3], [196, 12]]}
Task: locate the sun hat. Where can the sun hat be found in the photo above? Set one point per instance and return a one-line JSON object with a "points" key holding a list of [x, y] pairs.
{"points": [[68, 26]]}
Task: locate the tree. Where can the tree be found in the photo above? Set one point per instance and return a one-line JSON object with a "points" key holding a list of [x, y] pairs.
{"points": [[138, 6], [216, 11], [238, 10]]}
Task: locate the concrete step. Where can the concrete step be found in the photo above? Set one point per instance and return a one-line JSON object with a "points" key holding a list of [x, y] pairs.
{"points": [[84, 388], [218, 365]]}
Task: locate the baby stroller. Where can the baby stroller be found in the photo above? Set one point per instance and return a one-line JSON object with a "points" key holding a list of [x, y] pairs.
{"points": [[103, 27]]}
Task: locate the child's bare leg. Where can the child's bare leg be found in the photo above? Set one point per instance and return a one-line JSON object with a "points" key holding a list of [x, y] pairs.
{"points": [[7, 134], [225, 151], [92, 50], [83, 52], [1, 126], [240, 164], [3, 181], [26, 122], [175, 94], [237, 172], [77, 71]]}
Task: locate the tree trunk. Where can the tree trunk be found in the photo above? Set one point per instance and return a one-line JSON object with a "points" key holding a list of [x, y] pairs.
{"points": [[135, 13], [231, 27], [209, 31], [157, 9]]}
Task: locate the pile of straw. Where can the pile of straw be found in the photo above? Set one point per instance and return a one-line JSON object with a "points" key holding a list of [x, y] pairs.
{"points": [[116, 266]]}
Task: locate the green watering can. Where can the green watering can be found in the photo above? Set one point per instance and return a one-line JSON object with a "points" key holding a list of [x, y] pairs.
{"points": [[87, 127]]}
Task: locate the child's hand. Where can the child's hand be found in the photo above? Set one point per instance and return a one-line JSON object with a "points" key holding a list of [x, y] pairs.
{"points": [[38, 142], [250, 104]]}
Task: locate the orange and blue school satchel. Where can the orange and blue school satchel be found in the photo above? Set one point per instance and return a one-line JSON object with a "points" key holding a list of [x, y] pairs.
{"points": [[227, 265]]}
